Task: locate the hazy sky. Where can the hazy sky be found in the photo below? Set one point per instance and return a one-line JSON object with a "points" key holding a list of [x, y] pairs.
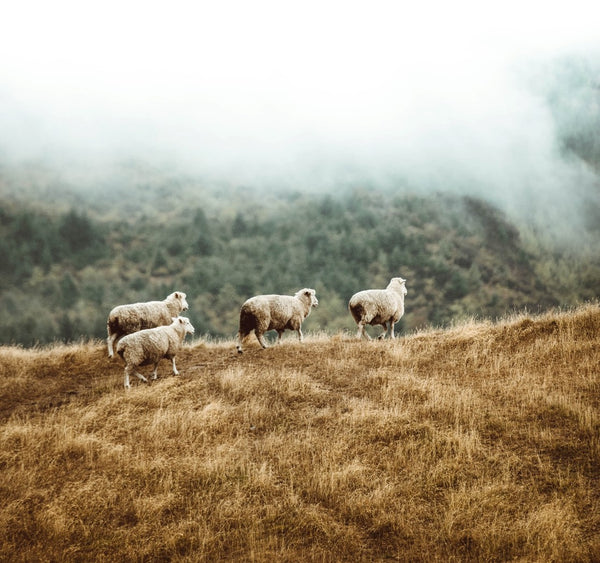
{"points": [[432, 91]]}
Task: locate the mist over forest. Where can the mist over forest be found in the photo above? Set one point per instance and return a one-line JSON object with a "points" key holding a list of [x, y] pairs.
{"points": [[529, 144], [246, 159]]}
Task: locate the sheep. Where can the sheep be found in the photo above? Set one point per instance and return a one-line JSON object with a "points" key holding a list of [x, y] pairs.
{"points": [[126, 319], [151, 345], [379, 307], [275, 312]]}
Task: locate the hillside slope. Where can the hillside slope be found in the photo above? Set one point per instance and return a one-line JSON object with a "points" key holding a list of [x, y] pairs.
{"points": [[474, 443]]}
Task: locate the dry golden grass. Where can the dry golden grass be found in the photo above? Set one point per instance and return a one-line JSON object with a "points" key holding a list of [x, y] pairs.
{"points": [[478, 443]]}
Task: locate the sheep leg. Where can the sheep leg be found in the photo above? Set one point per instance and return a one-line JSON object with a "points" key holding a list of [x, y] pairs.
{"points": [[361, 331], [175, 372], [129, 369], [240, 338], [300, 335], [385, 329], [261, 338], [140, 376], [155, 371], [392, 329], [110, 341], [279, 335]]}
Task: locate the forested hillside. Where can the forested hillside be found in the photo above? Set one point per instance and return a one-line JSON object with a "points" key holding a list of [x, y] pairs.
{"points": [[67, 262], [482, 230]]}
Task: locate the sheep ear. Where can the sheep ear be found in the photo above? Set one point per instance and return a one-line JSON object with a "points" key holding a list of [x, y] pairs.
{"points": [[177, 296]]}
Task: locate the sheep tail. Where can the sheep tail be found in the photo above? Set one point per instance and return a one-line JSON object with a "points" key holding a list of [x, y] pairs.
{"points": [[357, 311], [247, 322], [113, 325]]}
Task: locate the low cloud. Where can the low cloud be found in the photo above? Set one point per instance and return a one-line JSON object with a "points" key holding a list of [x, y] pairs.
{"points": [[315, 98]]}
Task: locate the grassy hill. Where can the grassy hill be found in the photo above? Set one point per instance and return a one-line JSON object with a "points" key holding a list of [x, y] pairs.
{"points": [[478, 442]]}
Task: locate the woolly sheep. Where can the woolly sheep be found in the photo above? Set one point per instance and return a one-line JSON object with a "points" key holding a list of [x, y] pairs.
{"points": [[379, 307], [126, 319], [275, 312], [151, 345]]}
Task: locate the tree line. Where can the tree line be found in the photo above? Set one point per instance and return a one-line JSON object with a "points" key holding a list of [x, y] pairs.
{"points": [[61, 273]]}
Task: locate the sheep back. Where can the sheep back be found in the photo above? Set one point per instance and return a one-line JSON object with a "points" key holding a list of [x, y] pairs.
{"points": [[148, 346], [379, 306], [267, 312], [125, 319], [276, 312], [375, 306]]}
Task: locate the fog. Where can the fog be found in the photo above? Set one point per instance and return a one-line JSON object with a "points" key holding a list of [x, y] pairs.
{"points": [[312, 96]]}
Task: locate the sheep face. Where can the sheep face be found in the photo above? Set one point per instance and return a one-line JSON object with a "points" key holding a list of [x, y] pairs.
{"points": [[311, 295], [185, 323], [181, 297], [398, 284]]}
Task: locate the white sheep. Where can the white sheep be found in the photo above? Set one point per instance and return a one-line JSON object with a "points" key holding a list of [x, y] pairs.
{"points": [[151, 345], [126, 319], [379, 307], [275, 312]]}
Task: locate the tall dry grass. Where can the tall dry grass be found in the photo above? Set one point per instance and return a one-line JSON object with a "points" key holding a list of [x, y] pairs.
{"points": [[478, 443]]}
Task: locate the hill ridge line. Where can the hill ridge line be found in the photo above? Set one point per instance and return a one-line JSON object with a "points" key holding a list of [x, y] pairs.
{"points": [[48, 377]]}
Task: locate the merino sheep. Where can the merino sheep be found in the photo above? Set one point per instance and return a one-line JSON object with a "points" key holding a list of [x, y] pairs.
{"points": [[126, 319], [151, 345], [379, 307], [275, 312]]}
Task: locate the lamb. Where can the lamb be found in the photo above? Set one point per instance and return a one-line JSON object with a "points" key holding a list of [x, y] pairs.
{"points": [[151, 345], [379, 307], [275, 312], [126, 319]]}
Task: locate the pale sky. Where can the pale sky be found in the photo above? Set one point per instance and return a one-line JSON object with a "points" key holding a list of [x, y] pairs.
{"points": [[269, 86]]}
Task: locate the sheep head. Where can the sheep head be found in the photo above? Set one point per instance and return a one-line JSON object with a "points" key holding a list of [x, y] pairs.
{"points": [[185, 323], [398, 284], [310, 295], [179, 295]]}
